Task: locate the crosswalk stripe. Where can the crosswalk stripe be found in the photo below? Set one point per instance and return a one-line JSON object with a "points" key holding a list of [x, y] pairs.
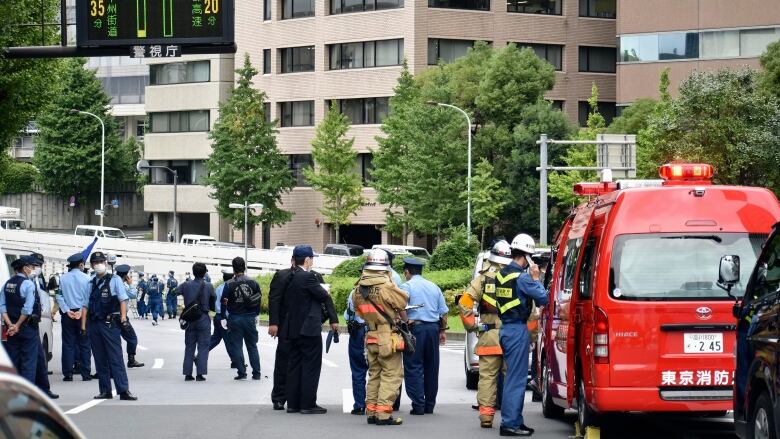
{"points": [[85, 406]]}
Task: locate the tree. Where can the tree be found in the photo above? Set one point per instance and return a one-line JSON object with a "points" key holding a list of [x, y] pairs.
{"points": [[634, 118], [722, 118], [770, 77], [488, 197], [334, 176], [245, 164], [68, 148]]}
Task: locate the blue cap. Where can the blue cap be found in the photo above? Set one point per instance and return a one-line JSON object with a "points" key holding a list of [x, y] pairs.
{"points": [[302, 251], [414, 262], [36, 258], [19, 263], [75, 258], [140, 274], [123, 268], [97, 257]]}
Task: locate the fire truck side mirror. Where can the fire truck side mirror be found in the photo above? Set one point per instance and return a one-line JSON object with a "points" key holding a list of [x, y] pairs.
{"points": [[728, 274]]}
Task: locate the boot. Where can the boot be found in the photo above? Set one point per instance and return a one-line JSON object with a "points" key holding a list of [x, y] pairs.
{"points": [[486, 421], [132, 363]]}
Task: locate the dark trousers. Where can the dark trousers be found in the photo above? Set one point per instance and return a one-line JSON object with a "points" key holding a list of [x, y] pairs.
{"points": [[242, 329], [74, 347], [42, 370], [359, 367], [142, 309], [197, 334], [23, 350], [421, 370], [303, 372], [156, 307], [171, 303], [128, 333], [107, 349], [279, 392], [220, 335]]}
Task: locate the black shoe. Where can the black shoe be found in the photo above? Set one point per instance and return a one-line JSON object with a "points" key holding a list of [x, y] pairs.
{"points": [[51, 394], [390, 421], [278, 405], [428, 411], [519, 431], [316, 410], [132, 363], [360, 411], [371, 420], [86, 378], [94, 376], [416, 412], [292, 410], [200, 378], [189, 378], [241, 376], [127, 396], [475, 407], [68, 378], [256, 376], [104, 396]]}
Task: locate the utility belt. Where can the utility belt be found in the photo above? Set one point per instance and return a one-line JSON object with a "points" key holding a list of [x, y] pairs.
{"points": [[413, 323], [484, 327], [109, 319], [354, 327]]}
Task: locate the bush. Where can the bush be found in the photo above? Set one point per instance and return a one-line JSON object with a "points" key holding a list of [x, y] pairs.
{"points": [[350, 267], [455, 252], [16, 178]]}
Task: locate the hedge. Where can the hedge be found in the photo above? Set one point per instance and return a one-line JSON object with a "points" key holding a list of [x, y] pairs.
{"points": [[18, 178]]}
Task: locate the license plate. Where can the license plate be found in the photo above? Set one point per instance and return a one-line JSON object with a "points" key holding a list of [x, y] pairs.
{"points": [[703, 343]]}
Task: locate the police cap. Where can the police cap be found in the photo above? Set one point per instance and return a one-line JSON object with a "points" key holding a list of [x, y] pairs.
{"points": [[122, 269], [97, 257], [19, 263], [140, 274], [75, 259], [413, 262], [36, 258]]}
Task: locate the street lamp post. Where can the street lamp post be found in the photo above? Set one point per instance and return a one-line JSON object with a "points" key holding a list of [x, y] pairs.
{"points": [[143, 165], [102, 160], [468, 181], [246, 206]]}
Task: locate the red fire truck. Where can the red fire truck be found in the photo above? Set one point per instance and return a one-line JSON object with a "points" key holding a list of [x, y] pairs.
{"points": [[636, 321]]}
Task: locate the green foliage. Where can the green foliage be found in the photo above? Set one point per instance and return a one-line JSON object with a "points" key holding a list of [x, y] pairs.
{"points": [[770, 76], [634, 118], [455, 252], [68, 148], [16, 177], [721, 118], [488, 197], [663, 86], [334, 177], [350, 268], [246, 164]]}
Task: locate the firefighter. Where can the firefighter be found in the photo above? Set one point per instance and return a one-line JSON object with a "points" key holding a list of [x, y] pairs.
{"points": [[381, 303], [482, 292]]}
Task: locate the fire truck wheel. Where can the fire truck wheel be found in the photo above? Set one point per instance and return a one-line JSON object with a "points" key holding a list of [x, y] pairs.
{"points": [[585, 416], [549, 409]]}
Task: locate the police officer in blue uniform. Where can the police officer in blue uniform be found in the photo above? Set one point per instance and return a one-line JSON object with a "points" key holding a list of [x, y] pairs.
{"points": [[74, 286], [21, 315], [517, 285], [155, 299], [428, 323], [102, 317], [44, 303], [126, 329], [142, 291], [171, 302], [356, 327], [220, 317]]}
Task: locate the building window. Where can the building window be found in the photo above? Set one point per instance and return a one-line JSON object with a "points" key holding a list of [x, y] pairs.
{"points": [[180, 72], [266, 61], [267, 111], [297, 59], [606, 109], [598, 8], [297, 9], [125, 89], [447, 50], [556, 105], [364, 54], [753, 42], [299, 162], [597, 59], [140, 129], [671, 46], [363, 111], [297, 114], [187, 172], [180, 121], [363, 167], [266, 10], [348, 6], [549, 7], [477, 5], [552, 53]]}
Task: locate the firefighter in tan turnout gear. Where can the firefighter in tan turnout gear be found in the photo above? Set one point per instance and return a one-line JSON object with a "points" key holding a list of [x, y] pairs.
{"points": [[377, 299], [480, 299]]}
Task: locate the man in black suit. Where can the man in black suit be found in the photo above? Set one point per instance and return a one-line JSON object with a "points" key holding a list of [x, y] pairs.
{"points": [[277, 313], [302, 329]]}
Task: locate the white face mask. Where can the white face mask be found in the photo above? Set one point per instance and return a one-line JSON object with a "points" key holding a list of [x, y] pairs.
{"points": [[37, 271], [100, 268]]}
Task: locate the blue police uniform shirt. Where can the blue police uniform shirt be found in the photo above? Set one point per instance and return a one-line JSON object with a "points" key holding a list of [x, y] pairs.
{"points": [[218, 305], [40, 289], [423, 291], [116, 286], [527, 287], [396, 278], [73, 285], [28, 291], [351, 307]]}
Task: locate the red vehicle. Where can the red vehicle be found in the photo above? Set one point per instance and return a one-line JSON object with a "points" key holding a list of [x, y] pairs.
{"points": [[636, 320]]}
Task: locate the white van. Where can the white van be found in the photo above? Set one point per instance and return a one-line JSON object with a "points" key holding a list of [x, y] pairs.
{"points": [[13, 224], [100, 232], [189, 239], [404, 249]]}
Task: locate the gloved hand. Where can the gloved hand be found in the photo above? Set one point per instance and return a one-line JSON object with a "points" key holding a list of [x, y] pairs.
{"points": [[83, 333], [125, 324]]}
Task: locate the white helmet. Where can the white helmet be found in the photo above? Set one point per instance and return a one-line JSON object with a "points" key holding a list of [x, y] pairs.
{"points": [[501, 253], [377, 260], [524, 243]]}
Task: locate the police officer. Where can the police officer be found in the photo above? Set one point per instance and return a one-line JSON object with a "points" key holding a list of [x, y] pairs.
{"points": [[155, 299], [102, 317], [237, 300], [482, 293], [44, 302], [428, 324], [197, 332], [126, 329], [517, 285], [358, 365], [142, 287], [74, 286], [171, 301], [381, 303], [21, 315], [220, 317]]}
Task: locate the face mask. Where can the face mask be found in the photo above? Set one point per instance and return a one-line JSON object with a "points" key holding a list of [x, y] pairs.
{"points": [[37, 271], [100, 268]]}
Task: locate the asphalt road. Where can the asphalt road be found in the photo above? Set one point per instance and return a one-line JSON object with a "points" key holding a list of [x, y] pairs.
{"points": [[168, 407]]}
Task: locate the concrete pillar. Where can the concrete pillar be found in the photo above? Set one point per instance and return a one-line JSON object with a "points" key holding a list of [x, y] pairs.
{"points": [[160, 229]]}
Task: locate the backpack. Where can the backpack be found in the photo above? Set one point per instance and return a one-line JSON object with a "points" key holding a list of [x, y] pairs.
{"points": [[244, 294]]}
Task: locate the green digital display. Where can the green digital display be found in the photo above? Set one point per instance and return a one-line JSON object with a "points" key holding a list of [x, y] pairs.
{"points": [[104, 23]]}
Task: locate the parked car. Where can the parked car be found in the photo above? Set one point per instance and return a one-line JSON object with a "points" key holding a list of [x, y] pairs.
{"points": [[26, 412], [100, 232], [352, 250], [188, 239], [13, 224], [757, 379], [404, 249]]}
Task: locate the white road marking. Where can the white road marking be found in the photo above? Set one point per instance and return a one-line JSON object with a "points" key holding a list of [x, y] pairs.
{"points": [[158, 363], [452, 351], [329, 363], [85, 406], [347, 401], [143, 348]]}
